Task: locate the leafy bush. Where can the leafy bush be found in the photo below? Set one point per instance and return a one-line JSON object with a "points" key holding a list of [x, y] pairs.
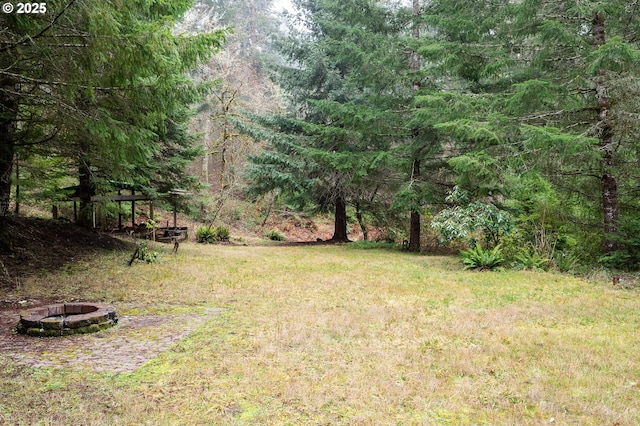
{"points": [[143, 253], [206, 235], [460, 223], [210, 235], [146, 255], [274, 235], [223, 233], [627, 255], [481, 259]]}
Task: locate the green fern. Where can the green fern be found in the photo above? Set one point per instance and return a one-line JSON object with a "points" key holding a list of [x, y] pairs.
{"points": [[274, 235], [211, 235], [206, 235], [532, 260], [481, 259]]}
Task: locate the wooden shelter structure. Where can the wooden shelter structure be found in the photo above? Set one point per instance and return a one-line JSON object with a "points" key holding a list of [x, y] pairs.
{"points": [[132, 197]]}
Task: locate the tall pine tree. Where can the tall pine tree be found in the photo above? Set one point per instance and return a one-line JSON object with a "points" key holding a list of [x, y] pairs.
{"points": [[337, 138], [109, 111], [585, 63], [542, 86]]}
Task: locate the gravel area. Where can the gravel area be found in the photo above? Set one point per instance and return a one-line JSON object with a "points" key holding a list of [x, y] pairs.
{"points": [[134, 341]]}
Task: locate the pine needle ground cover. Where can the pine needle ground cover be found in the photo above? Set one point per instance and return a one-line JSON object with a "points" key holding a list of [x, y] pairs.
{"points": [[336, 335]]}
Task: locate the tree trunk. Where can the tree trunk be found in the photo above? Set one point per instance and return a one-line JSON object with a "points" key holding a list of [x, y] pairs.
{"points": [[205, 165], [340, 226], [223, 155], [6, 166], [17, 207], [414, 224], [363, 226], [415, 33], [85, 192], [609, 185], [8, 127], [253, 33]]}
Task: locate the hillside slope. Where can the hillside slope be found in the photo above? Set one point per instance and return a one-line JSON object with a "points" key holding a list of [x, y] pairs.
{"points": [[29, 245]]}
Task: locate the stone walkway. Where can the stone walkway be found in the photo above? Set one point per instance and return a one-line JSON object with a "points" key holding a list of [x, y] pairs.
{"points": [[124, 348]]}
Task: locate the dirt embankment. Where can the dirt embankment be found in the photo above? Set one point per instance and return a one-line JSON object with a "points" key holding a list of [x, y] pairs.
{"points": [[28, 245]]}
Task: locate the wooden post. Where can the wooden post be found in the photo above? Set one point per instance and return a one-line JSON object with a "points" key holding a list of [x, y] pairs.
{"points": [[152, 220], [175, 212], [119, 211], [133, 209]]}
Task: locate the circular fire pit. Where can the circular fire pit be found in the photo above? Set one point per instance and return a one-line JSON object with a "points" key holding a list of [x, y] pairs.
{"points": [[64, 319]]}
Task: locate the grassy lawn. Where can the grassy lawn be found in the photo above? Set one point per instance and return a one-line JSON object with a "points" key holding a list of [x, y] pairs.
{"points": [[334, 335]]}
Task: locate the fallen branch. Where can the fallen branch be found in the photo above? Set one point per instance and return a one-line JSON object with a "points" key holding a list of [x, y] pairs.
{"points": [[136, 255]]}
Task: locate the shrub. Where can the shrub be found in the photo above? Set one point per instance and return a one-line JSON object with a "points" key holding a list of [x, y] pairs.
{"points": [[210, 235], [566, 261], [146, 255], [531, 259], [206, 235], [274, 235], [143, 253], [627, 255], [223, 233], [462, 222], [478, 258]]}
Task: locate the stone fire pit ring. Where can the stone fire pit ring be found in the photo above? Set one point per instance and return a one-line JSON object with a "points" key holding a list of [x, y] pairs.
{"points": [[64, 319]]}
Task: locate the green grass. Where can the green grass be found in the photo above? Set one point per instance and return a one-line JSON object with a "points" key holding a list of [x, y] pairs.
{"points": [[332, 335]]}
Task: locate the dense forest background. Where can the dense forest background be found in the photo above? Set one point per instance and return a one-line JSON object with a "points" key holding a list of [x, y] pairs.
{"points": [[506, 128]]}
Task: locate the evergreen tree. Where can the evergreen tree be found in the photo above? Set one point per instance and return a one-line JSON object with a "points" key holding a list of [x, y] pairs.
{"points": [[109, 110], [541, 86], [576, 105], [415, 224], [338, 136]]}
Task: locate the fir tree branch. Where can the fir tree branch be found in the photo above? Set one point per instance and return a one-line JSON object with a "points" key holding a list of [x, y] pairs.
{"points": [[27, 39], [40, 142], [65, 84]]}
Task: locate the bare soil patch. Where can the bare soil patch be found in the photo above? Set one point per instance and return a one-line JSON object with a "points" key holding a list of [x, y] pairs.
{"points": [[123, 348], [28, 245]]}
